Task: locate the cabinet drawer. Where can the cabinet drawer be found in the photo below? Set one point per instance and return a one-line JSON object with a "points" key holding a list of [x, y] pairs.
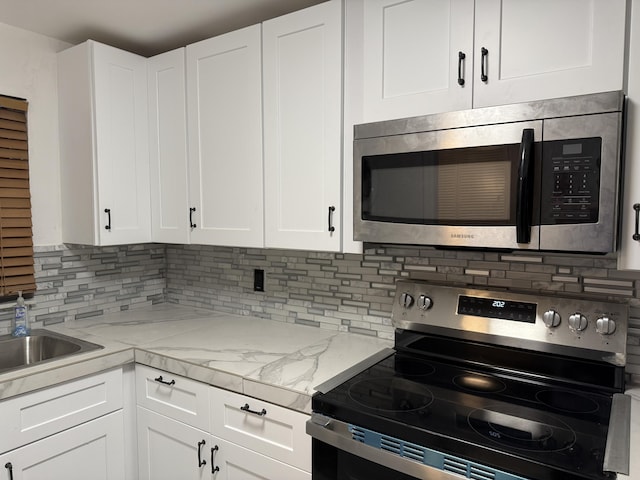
{"points": [[38, 414], [265, 428], [176, 397]]}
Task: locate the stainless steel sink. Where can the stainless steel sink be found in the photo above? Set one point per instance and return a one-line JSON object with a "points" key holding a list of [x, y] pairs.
{"points": [[41, 346]]}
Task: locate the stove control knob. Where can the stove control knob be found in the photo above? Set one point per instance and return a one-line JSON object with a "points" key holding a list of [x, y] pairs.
{"points": [[605, 326], [551, 318], [406, 300], [578, 322], [424, 302]]}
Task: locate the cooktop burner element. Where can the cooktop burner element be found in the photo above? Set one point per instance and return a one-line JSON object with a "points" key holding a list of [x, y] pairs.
{"points": [[565, 401], [474, 383], [513, 427], [479, 383], [391, 394]]}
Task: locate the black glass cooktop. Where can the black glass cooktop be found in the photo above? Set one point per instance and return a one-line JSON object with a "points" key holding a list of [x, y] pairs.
{"points": [[520, 424]]}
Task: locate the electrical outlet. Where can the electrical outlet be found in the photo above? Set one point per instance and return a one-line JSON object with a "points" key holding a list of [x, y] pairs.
{"points": [[258, 280]]}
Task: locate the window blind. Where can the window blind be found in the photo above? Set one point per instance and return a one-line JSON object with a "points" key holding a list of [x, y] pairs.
{"points": [[16, 243]]}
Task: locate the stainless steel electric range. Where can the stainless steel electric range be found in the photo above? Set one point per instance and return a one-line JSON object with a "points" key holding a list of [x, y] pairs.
{"points": [[482, 385]]}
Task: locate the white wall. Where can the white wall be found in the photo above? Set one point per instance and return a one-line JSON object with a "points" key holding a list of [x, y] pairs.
{"points": [[28, 70]]}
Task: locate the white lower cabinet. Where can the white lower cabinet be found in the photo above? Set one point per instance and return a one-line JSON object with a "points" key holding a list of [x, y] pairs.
{"points": [[246, 439], [91, 450], [74, 430], [232, 462], [169, 449]]}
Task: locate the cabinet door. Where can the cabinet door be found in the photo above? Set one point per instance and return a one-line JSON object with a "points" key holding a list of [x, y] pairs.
{"points": [[232, 462], [92, 450], [411, 57], [121, 145], [168, 147], [629, 255], [580, 49], [168, 449], [302, 76], [224, 99]]}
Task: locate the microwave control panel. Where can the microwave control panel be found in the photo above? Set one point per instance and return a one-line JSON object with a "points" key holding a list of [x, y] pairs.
{"points": [[570, 187]]}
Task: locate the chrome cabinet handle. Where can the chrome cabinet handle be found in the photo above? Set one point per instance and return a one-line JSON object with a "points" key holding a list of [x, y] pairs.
{"points": [[164, 382], [214, 468], [191, 224], [484, 64], [331, 227], [461, 57], [245, 408], [108, 225], [9, 467], [200, 461], [636, 235]]}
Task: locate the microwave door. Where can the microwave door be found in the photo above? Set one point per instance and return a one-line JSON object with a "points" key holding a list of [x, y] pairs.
{"points": [[464, 187]]}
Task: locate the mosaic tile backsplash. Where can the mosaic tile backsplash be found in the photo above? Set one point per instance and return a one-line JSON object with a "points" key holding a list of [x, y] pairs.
{"points": [[347, 292]]}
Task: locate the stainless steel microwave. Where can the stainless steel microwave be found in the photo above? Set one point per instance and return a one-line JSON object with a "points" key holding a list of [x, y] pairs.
{"points": [[542, 175]]}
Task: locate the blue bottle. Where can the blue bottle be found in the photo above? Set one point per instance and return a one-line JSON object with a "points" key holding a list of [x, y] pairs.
{"points": [[20, 318]]}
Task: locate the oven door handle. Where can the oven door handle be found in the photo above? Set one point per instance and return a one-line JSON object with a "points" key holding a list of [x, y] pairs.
{"points": [[336, 433], [524, 202], [616, 452]]}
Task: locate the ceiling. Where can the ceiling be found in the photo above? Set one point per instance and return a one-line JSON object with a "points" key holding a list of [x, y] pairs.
{"points": [[146, 27]]}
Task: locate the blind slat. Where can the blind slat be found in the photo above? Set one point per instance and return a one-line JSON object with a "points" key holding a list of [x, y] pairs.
{"points": [[14, 193], [11, 154], [14, 232], [20, 183], [10, 203], [13, 173], [9, 213], [16, 222], [14, 164], [16, 252], [11, 103], [8, 243], [6, 124], [13, 134], [13, 144]]}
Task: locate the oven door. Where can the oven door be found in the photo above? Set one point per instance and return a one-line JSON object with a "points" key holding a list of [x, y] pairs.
{"points": [[462, 187], [336, 456]]}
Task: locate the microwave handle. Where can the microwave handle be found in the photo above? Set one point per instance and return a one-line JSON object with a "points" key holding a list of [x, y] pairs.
{"points": [[524, 202]]}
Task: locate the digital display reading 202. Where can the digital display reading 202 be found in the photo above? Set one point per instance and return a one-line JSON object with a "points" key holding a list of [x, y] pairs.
{"points": [[496, 308]]}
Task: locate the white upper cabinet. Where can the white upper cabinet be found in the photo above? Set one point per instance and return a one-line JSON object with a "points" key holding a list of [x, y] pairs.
{"points": [[547, 49], [411, 52], [103, 145], [168, 148], [514, 51], [629, 255], [302, 81], [224, 105]]}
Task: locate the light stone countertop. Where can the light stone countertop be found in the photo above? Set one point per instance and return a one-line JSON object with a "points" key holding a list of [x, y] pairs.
{"points": [[274, 361]]}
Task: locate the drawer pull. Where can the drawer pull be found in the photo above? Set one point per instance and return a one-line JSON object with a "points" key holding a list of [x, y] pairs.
{"points": [[214, 468], [636, 235], [247, 409], [9, 467], [201, 462], [164, 382]]}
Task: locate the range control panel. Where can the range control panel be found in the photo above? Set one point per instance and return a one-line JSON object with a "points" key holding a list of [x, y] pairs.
{"points": [[566, 322]]}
